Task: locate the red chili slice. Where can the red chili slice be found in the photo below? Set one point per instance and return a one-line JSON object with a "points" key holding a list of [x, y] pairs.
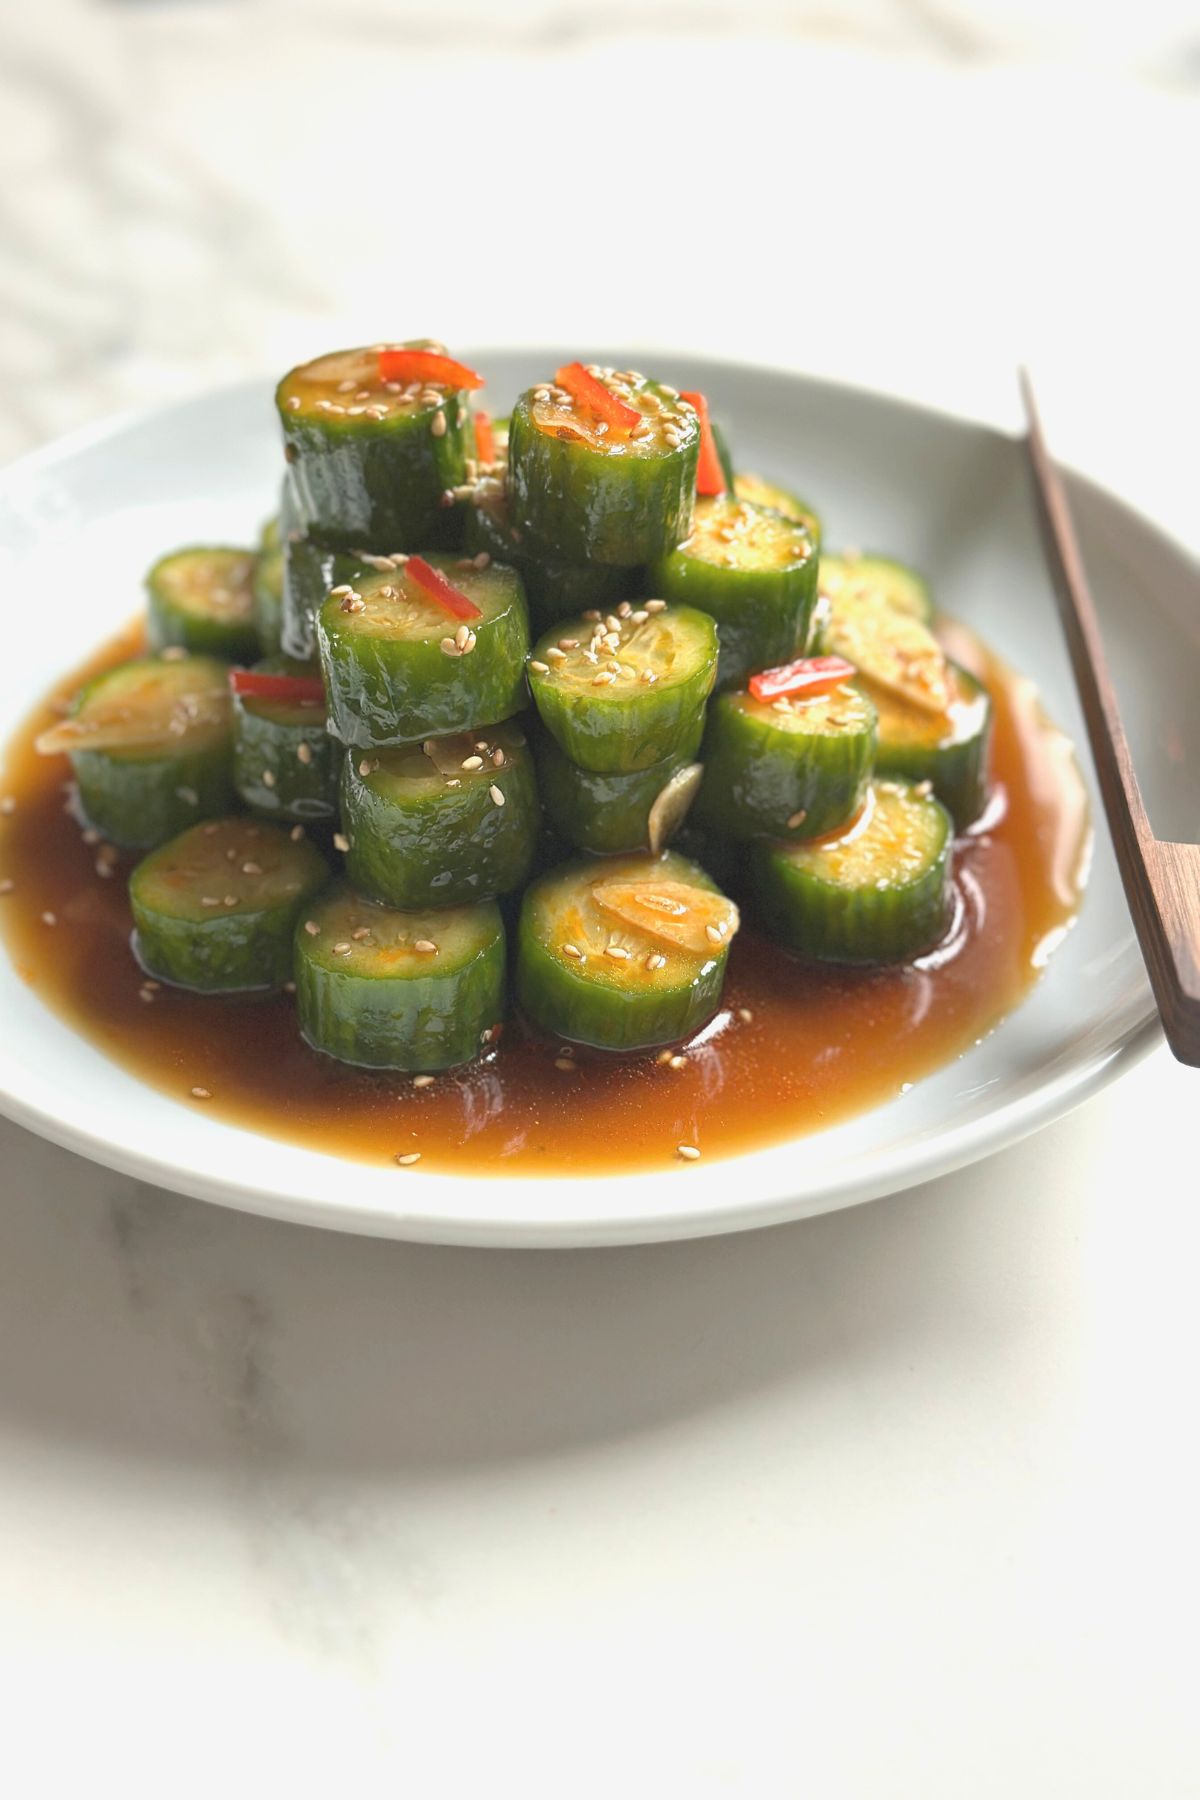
{"points": [[710, 477], [292, 690], [432, 582], [426, 365], [598, 399], [485, 438], [809, 676]]}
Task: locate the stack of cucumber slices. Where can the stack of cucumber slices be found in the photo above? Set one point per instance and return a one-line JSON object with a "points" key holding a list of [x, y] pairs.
{"points": [[431, 741]]}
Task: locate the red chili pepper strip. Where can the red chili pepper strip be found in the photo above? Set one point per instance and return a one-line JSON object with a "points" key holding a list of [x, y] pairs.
{"points": [[292, 690], [710, 477], [810, 676], [426, 365], [432, 582], [485, 438], [598, 399]]}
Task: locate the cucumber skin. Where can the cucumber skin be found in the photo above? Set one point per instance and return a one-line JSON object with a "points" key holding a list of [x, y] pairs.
{"points": [[268, 600], [570, 1006], [383, 695], [606, 814], [762, 616], [654, 721], [866, 926], [959, 772], [229, 953], [377, 484], [554, 589], [359, 1019], [134, 802], [586, 507], [167, 627], [753, 785], [304, 793], [307, 578], [454, 848]]}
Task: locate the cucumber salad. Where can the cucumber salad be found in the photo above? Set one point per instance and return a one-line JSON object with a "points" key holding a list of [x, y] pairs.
{"points": [[523, 716]]}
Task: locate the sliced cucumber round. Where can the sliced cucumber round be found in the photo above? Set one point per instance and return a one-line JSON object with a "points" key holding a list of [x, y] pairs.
{"points": [[268, 601], [150, 744], [398, 990], [755, 572], [285, 764], [215, 908], [761, 492], [791, 768], [851, 575], [949, 749], [553, 589], [877, 892], [371, 460], [202, 599], [606, 814], [623, 953], [442, 824], [594, 493], [891, 648], [399, 669], [625, 691]]}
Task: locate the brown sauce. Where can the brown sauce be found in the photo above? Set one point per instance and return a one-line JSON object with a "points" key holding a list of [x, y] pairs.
{"points": [[820, 1043]]}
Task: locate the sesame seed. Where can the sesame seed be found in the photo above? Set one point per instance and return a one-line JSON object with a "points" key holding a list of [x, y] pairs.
{"points": [[745, 1015], [656, 961], [304, 753], [367, 767], [462, 635], [617, 950], [293, 402], [496, 794], [688, 1152], [409, 1158], [146, 995], [438, 424], [797, 819], [471, 762], [603, 678], [251, 868], [482, 560], [555, 654], [540, 668], [592, 613], [230, 900], [297, 834], [343, 591], [449, 647], [201, 1093], [342, 949], [311, 926], [649, 676], [574, 951], [714, 934], [268, 779], [663, 1058], [341, 842], [498, 757], [624, 610], [469, 644], [639, 617], [104, 868], [568, 643], [209, 900], [423, 1081], [677, 1062], [565, 1064], [426, 946]]}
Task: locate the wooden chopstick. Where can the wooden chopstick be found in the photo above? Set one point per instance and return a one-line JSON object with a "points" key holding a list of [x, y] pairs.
{"points": [[1162, 879]]}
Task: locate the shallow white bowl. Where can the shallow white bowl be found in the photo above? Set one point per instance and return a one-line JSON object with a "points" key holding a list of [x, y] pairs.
{"points": [[81, 521]]}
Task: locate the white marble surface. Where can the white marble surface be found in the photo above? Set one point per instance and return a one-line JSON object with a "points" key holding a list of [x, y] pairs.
{"points": [[896, 1502]]}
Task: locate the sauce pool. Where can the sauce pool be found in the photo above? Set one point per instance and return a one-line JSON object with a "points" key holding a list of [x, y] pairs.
{"points": [[795, 1047]]}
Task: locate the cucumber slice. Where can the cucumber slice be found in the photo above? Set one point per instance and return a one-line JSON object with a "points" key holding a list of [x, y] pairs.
{"points": [[878, 576], [948, 749], [268, 601], [891, 648], [398, 990], [761, 492], [202, 600], [594, 494], [425, 825], [215, 908], [786, 768], [285, 764], [308, 575], [877, 892], [594, 974], [625, 692], [394, 670], [150, 744], [553, 589], [755, 572], [372, 461], [606, 814]]}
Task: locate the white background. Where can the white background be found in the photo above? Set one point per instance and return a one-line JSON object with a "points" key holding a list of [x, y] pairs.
{"points": [[898, 1502]]}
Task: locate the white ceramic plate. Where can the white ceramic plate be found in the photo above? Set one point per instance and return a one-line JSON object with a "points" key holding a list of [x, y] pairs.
{"points": [[945, 494]]}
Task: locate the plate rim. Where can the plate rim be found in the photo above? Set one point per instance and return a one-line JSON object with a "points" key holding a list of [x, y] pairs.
{"points": [[922, 1158]]}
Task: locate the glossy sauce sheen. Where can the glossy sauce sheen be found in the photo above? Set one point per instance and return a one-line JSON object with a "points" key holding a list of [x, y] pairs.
{"points": [[821, 1044]]}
